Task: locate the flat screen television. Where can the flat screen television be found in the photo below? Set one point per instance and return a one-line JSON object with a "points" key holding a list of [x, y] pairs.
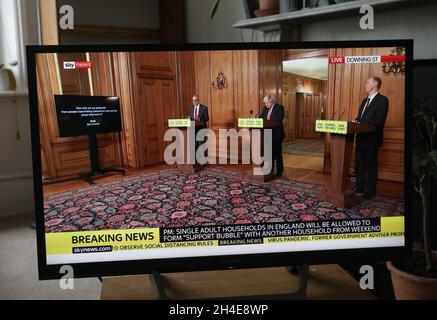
{"points": [[166, 216], [80, 115]]}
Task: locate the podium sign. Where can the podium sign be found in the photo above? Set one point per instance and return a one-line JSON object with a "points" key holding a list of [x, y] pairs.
{"points": [[339, 192], [332, 126], [178, 123], [251, 123]]}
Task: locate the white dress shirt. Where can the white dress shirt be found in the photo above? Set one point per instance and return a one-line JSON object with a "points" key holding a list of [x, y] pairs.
{"points": [[269, 113], [368, 103]]}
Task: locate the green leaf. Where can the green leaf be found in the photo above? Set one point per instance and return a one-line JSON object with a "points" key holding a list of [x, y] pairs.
{"points": [[214, 8], [430, 163]]}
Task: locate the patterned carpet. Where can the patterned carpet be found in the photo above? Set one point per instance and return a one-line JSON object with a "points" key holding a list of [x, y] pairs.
{"points": [[211, 197], [306, 147]]}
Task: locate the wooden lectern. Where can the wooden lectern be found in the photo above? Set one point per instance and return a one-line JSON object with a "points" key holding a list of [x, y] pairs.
{"points": [[188, 163], [340, 192], [257, 124]]}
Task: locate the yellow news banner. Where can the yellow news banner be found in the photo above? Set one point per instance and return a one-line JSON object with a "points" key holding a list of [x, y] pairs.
{"points": [[120, 240], [148, 238], [390, 227]]}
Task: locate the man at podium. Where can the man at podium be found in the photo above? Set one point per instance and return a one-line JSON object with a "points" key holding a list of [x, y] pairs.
{"points": [[373, 110], [274, 111], [198, 112]]}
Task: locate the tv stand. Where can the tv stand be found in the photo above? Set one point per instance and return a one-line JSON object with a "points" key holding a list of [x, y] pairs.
{"points": [[156, 279], [301, 294], [96, 170]]}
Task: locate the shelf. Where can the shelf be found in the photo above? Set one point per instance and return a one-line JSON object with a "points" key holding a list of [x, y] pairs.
{"points": [[20, 93], [324, 13]]}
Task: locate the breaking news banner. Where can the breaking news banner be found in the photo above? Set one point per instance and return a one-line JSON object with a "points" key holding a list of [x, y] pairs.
{"points": [[273, 237], [366, 59]]}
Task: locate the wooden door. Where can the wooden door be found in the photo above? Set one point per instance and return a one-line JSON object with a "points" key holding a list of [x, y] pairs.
{"points": [[286, 102], [311, 109], [157, 103]]}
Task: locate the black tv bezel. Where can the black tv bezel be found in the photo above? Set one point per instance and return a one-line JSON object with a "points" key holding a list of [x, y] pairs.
{"points": [[83, 131], [116, 268]]}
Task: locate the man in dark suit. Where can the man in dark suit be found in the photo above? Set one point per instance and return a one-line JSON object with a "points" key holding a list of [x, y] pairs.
{"points": [[373, 110], [274, 111], [198, 112]]}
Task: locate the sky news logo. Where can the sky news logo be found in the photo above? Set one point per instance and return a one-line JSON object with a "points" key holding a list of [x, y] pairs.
{"points": [[78, 65], [365, 59]]}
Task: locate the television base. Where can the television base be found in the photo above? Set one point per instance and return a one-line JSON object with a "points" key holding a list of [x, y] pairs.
{"points": [[96, 170], [300, 294], [89, 176]]}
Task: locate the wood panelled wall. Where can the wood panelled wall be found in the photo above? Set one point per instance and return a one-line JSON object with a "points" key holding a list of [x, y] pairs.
{"points": [[65, 156], [156, 101], [150, 89], [292, 85], [153, 87], [345, 93], [250, 75]]}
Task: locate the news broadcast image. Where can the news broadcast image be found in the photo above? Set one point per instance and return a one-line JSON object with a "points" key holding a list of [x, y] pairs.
{"points": [[335, 147]]}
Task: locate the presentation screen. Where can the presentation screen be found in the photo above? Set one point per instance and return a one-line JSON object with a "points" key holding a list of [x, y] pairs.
{"points": [[236, 155], [79, 115]]}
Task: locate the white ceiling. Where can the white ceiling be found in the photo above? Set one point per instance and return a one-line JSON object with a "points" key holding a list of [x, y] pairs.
{"points": [[316, 68]]}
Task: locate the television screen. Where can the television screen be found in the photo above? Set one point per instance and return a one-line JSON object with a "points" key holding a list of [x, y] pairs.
{"points": [[80, 115], [236, 155]]}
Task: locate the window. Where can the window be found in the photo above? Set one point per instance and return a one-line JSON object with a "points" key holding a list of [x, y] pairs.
{"points": [[12, 51]]}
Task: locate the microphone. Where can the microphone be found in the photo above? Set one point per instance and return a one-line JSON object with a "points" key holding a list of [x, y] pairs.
{"points": [[341, 114], [333, 115], [251, 113]]}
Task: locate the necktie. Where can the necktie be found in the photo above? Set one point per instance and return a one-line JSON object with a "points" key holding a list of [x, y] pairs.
{"points": [[270, 113], [195, 112], [365, 107]]}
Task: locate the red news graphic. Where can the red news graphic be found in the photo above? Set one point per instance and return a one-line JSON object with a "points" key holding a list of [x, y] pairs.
{"points": [[365, 59], [78, 64]]}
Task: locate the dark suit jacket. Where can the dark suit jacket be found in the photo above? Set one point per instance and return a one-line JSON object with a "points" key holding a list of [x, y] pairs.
{"points": [[277, 114], [203, 113], [376, 114]]}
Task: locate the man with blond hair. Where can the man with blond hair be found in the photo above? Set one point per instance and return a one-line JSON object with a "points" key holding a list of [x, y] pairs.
{"points": [[275, 111]]}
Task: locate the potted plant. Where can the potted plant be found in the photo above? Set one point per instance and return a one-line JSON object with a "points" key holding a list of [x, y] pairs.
{"points": [[266, 7], [416, 278], [7, 78]]}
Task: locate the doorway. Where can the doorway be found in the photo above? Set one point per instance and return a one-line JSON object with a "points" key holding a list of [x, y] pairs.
{"points": [[304, 88]]}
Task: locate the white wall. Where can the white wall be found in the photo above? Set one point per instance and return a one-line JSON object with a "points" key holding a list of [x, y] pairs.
{"points": [[16, 184]]}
